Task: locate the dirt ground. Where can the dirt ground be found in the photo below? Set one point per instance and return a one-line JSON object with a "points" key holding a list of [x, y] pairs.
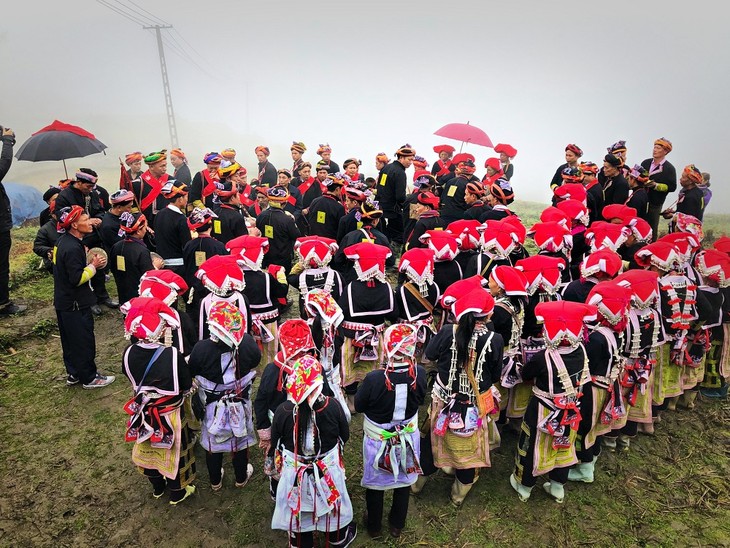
{"points": [[67, 479]]}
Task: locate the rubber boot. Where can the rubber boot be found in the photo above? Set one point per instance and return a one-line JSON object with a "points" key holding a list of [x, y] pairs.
{"points": [[459, 491], [646, 428], [583, 471], [623, 442], [608, 443], [672, 403], [555, 490], [522, 491], [687, 400], [448, 470], [417, 487], [350, 398]]}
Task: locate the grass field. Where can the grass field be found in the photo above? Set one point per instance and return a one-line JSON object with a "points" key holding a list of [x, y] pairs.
{"points": [[67, 479]]}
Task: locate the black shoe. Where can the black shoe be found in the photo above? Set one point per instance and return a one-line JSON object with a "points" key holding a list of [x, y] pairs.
{"points": [[12, 308], [372, 533], [96, 310], [71, 380], [110, 303]]}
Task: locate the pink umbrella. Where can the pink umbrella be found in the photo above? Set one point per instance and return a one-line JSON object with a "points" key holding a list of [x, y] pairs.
{"points": [[465, 133]]}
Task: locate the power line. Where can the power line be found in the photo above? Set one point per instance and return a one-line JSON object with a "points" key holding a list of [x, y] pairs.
{"points": [[161, 21], [122, 13], [188, 43], [186, 56]]}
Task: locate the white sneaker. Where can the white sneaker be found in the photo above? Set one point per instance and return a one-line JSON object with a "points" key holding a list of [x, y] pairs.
{"points": [[100, 381]]}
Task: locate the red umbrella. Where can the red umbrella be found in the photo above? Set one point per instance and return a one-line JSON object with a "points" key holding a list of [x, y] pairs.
{"points": [[466, 133], [59, 141]]}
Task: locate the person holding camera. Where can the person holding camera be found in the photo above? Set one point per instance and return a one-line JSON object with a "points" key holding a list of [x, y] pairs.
{"points": [[7, 307]]}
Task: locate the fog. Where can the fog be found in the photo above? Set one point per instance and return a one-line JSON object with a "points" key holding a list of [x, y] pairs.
{"points": [[367, 77]]}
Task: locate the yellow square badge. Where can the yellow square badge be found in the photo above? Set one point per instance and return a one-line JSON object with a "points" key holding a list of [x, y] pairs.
{"points": [[217, 226], [121, 265], [199, 258], [321, 215], [452, 191], [268, 231]]}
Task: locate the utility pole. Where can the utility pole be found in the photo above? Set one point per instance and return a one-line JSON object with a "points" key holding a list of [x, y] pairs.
{"points": [[166, 84]]}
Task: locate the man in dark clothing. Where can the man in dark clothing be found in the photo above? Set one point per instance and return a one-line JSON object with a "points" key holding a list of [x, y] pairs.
{"points": [[231, 221], [81, 193], [325, 212], [129, 258], [595, 198], [391, 192], [279, 227], [49, 196], [309, 187], [691, 200], [474, 197], [148, 185], [202, 189], [293, 203], [45, 241], [639, 199], [180, 162], [453, 204], [325, 151], [572, 153], [615, 186], [121, 201], [267, 171], [662, 181], [7, 307], [73, 298], [171, 229]]}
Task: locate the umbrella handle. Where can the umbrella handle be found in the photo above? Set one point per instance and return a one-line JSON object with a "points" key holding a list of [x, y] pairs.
{"points": [[64, 168]]}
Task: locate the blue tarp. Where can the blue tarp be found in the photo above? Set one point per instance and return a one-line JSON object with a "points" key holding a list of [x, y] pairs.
{"points": [[26, 201]]}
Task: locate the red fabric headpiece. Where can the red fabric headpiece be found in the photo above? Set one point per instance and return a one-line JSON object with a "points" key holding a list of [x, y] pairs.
{"points": [[295, 339], [466, 233], [478, 301], [644, 285], [605, 261], [250, 248], [417, 264], [500, 237], [443, 243], [618, 211], [606, 235], [438, 149], [551, 237], [509, 150], [571, 191], [511, 280], [542, 272], [369, 260], [575, 210], [163, 284], [714, 265], [494, 163], [685, 243], [564, 320], [461, 287], [640, 229], [462, 157], [222, 274], [722, 244], [664, 255], [613, 302], [315, 251], [553, 214], [575, 149], [147, 318]]}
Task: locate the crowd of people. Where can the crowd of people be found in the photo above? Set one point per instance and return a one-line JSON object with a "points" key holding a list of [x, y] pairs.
{"points": [[578, 346]]}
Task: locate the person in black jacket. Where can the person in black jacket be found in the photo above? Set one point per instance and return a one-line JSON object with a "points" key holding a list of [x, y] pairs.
{"points": [[595, 198], [180, 162], [129, 257], [572, 154], [325, 212], [121, 202], [662, 181], [453, 204], [232, 218], [639, 198], [49, 196], [280, 228], [325, 151], [615, 187], [81, 193], [45, 241], [267, 171], [691, 200], [202, 189], [171, 227], [391, 193], [73, 298], [6, 223], [354, 198]]}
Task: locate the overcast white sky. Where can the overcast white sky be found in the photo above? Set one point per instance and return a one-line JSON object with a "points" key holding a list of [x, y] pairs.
{"points": [[369, 76]]}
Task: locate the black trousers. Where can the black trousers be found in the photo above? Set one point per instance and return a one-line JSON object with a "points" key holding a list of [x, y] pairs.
{"points": [[214, 461], [398, 510], [306, 540], [393, 229], [98, 284], [654, 215], [78, 343], [5, 243], [525, 458]]}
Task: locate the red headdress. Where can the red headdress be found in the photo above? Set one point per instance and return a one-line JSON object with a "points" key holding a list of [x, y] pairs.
{"points": [[685, 243], [552, 237], [512, 280], [613, 302], [443, 243], [620, 212], [147, 319], [644, 285], [369, 260], [315, 251], [664, 255], [227, 323], [603, 235], [305, 381], [462, 287], [501, 237], [605, 261], [575, 210], [417, 264], [571, 191], [553, 214], [162, 284], [249, 248], [722, 244], [400, 341], [222, 274], [295, 339], [688, 223], [478, 301], [494, 163], [466, 233], [438, 149], [640, 229], [714, 265], [542, 272], [509, 150], [564, 321]]}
